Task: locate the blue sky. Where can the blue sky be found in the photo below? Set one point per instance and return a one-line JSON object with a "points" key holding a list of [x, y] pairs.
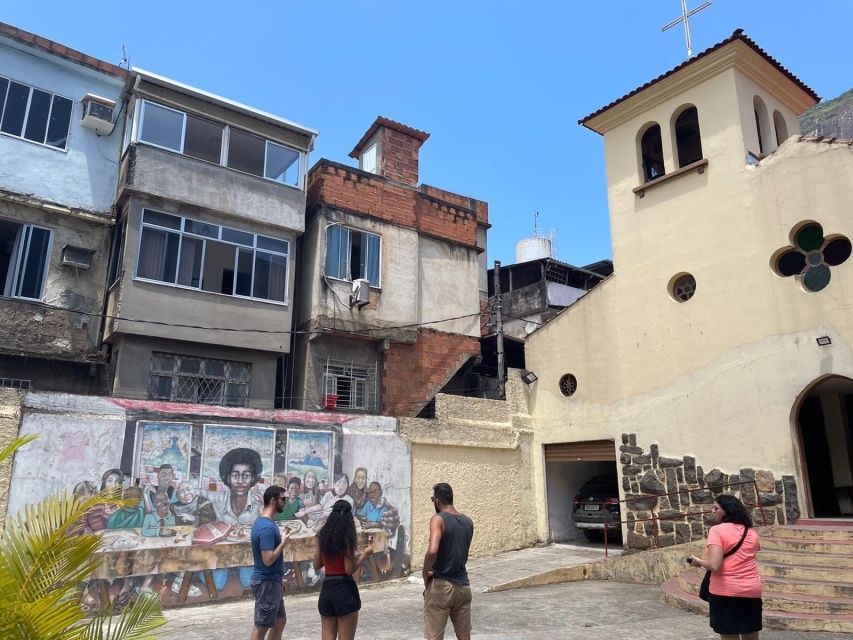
{"points": [[500, 85]]}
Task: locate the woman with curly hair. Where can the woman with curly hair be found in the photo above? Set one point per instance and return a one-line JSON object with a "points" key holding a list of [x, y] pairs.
{"points": [[735, 588], [339, 601]]}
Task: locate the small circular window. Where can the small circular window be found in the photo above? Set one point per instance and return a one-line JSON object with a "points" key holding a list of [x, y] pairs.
{"points": [[682, 287], [568, 385]]}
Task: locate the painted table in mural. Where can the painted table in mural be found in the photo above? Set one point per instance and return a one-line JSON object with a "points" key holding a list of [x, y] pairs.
{"points": [[126, 552]]}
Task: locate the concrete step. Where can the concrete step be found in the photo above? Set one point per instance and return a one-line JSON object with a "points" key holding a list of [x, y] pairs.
{"points": [[805, 572], [776, 542], [812, 532], [801, 603], [808, 587], [674, 595], [774, 556]]}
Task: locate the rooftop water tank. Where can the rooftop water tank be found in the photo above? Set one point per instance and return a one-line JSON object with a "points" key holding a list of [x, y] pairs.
{"points": [[532, 249]]}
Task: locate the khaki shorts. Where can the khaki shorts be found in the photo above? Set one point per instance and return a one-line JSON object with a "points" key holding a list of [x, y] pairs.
{"points": [[443, 599]]}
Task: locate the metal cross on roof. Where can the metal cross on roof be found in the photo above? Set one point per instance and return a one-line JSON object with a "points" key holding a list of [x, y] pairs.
{"points": [[685, 16]]}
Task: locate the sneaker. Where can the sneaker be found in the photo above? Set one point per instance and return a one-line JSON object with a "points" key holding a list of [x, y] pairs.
{"points": [[193, 592]]}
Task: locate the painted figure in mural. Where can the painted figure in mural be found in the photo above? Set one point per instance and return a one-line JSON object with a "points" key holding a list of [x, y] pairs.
{"points": [[378, 509], [268, 571], [240, 469], [160, 522], [358, 489], [447, 590], [97, 517], [327, 502], [293, 503], [310, 491], [132, 514], [339, 601], [192, 508], [376, 506]]}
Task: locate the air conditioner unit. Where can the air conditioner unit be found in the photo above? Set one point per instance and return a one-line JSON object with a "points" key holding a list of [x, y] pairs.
{"points": [[98, 114], [360, 295]]}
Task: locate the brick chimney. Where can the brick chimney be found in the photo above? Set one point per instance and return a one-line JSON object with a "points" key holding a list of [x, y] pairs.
{"points": [[390, 149]]}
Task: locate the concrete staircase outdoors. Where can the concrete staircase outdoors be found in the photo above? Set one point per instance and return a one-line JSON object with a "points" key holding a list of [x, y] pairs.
{"points": [[807, 571]]}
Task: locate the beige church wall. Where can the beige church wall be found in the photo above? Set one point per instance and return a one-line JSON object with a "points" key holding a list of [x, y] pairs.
{"points": [[10, 422], [747, 89], [747, 335]]}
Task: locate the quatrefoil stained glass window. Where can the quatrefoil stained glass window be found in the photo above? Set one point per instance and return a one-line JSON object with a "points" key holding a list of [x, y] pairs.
{"points": [[812, 255]]}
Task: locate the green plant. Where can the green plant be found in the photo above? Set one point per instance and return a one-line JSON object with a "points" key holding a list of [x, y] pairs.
{"points": [[43, 561]]}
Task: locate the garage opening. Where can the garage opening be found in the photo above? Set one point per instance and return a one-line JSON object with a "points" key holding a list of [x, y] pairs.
{"points": [[570, 467]]}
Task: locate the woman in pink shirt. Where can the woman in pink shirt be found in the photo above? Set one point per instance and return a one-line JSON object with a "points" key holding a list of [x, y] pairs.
{"points": [[735, 604]]}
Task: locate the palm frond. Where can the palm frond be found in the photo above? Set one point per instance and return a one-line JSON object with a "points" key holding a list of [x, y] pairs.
{"points": [[134, 623], [13, 446]]}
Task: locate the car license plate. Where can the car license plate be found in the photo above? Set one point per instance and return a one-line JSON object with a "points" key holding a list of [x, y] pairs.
{"points": [[590, 507]]}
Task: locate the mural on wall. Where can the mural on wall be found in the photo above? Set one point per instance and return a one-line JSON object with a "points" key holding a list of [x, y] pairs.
{"points": [[196, 489], [163, 444]]}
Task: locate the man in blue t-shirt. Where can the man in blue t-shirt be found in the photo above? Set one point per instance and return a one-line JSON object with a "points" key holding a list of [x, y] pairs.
{"points": [[267, 547]]}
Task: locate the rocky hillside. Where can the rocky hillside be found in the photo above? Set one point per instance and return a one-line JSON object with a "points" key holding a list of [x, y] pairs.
{"points": [[830, 118]]}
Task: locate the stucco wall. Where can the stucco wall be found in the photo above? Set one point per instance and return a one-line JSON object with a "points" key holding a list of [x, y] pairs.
{"points": [[484, 452], [10, 421], [84, 175]]}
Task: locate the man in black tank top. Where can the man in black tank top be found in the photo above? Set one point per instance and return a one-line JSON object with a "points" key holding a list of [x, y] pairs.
{"points": [[447, 592]]}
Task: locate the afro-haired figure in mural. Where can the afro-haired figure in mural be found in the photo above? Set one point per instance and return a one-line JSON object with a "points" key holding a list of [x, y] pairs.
{"points": [[240, 469]]}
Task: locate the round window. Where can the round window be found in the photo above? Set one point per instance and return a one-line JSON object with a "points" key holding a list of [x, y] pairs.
{"points": [[682, 287], [568, 385]]}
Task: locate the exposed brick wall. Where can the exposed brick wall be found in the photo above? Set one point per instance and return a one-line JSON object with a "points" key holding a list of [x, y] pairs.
{"points": [[434, 212], [399, 156], [413, 373]]}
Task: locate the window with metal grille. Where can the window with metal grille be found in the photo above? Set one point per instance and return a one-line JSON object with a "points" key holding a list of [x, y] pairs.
{"points": [[350, 385], [199, 380]]}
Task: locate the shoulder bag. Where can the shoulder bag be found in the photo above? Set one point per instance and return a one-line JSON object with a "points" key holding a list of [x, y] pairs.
{"points": [[705, 587]]}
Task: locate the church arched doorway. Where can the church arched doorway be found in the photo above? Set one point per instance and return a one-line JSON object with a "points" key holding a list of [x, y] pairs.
{"points": [[824, 423]]}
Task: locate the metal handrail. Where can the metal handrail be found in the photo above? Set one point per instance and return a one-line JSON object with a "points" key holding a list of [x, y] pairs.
{"points": [[657, 517]]}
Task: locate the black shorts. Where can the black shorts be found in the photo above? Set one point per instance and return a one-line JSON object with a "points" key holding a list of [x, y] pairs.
{"points": [[269, 602], [733, 616], [338, 597]]}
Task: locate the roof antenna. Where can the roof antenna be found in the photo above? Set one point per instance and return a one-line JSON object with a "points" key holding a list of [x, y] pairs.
{"points": [[535, 224], [125, 59]]}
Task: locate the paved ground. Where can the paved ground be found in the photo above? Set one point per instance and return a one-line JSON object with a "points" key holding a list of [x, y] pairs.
{"points": [[574, 611]]}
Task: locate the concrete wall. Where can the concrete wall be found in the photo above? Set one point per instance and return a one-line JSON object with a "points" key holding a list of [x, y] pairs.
{"points": [[483, 449], [84, 441], [82, 176], [730, 364], [133, 298], [10, 422], [65, 331], [172, 176], [131, 356]]}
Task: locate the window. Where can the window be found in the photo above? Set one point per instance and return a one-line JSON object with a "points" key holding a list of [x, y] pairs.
{"points": [[762, 125], [651, 150], [780, 126], [350, 385], [568, 384], [117, 255], [811, 255], [201, 138], [33, 114], [180, 378], [368, 158], [688, 142], [24, 252], [199, 255], [352, 254], [682, 287]]}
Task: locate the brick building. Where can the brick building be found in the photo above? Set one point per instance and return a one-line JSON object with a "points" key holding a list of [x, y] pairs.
{"points": [[392, 278]]}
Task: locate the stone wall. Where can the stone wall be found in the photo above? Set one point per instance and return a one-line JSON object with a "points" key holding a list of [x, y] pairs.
{"points": [[669, 499]]}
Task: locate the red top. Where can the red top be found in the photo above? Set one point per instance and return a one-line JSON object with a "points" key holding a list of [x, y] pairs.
{"points": [[334, 565], [738, 577]]}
